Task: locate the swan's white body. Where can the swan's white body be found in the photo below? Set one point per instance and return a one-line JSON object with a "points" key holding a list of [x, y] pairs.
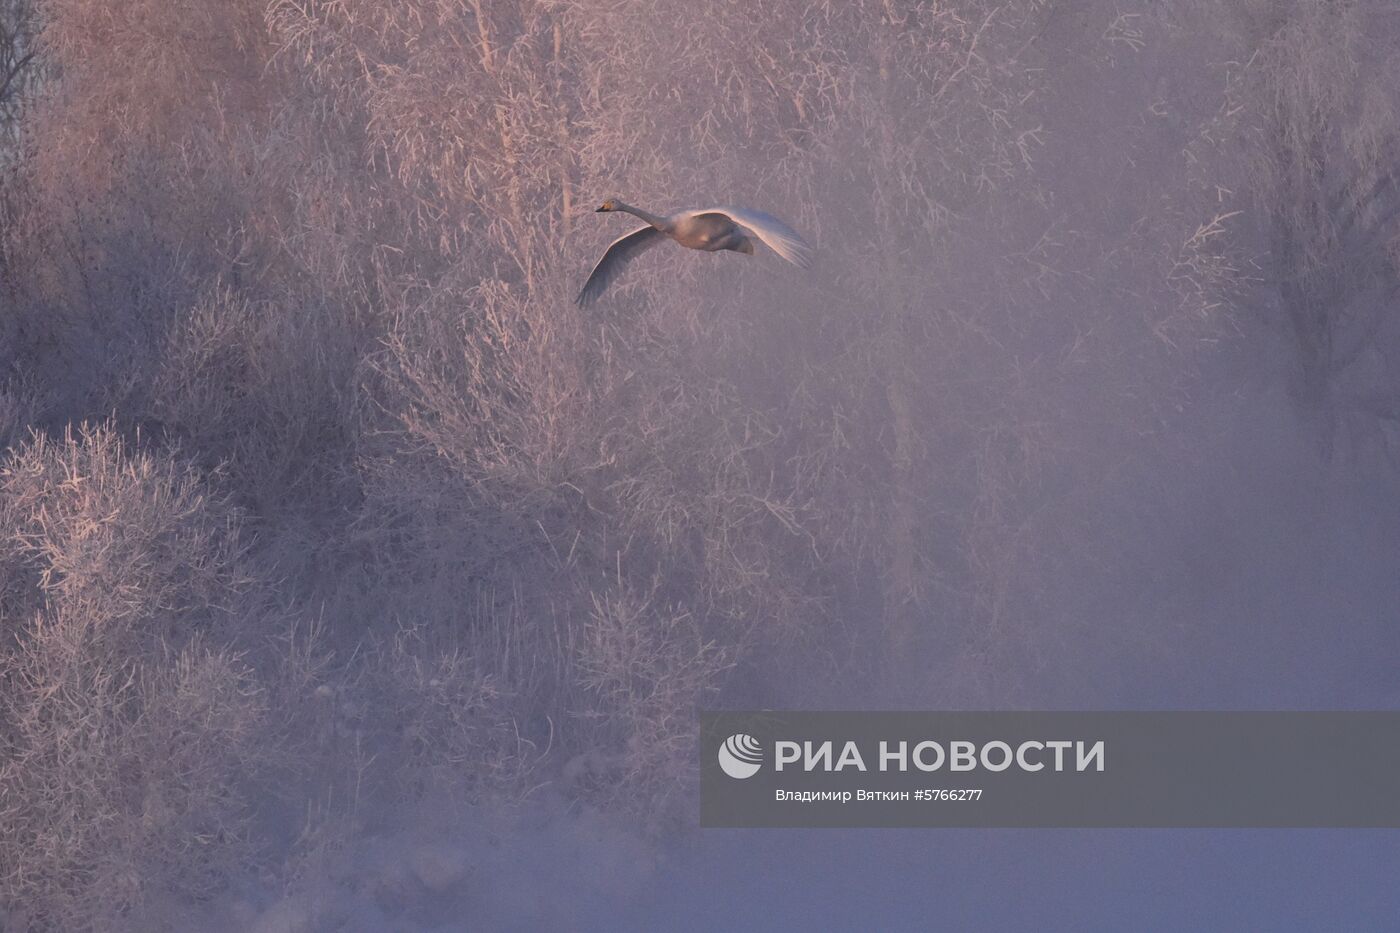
{"points": [[711, 230]]}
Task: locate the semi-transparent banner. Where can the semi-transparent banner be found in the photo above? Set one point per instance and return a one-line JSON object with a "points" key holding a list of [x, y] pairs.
{"points": [[1060, 769]]}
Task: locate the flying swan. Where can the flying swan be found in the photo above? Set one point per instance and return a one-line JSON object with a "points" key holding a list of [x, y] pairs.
{"points": [[709, 230]]}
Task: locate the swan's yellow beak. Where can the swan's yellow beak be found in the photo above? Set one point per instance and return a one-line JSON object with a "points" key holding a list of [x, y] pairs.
{"points": [[600, 210]]}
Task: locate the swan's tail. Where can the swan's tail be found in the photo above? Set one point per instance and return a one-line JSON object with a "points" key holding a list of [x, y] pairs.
{"points": [[778, 236]]}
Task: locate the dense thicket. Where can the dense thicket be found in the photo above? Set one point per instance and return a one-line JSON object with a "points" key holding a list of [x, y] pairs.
{"points": [[318, 481]]}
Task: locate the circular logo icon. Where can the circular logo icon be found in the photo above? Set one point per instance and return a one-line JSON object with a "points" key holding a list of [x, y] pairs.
{"points": [[740, 756]]}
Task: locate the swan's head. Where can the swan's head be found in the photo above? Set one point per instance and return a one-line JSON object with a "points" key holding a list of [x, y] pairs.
{"points": [[609, 205]]}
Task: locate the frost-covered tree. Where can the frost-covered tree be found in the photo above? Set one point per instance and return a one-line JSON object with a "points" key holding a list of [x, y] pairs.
{"points": [[1320, 133]]}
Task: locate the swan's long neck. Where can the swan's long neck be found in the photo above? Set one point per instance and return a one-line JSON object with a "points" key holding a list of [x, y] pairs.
{"points": [[657, 222]]}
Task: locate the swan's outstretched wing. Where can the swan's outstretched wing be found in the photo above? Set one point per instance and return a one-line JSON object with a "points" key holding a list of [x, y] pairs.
{"points": [[618, 254], [778, 236]]}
